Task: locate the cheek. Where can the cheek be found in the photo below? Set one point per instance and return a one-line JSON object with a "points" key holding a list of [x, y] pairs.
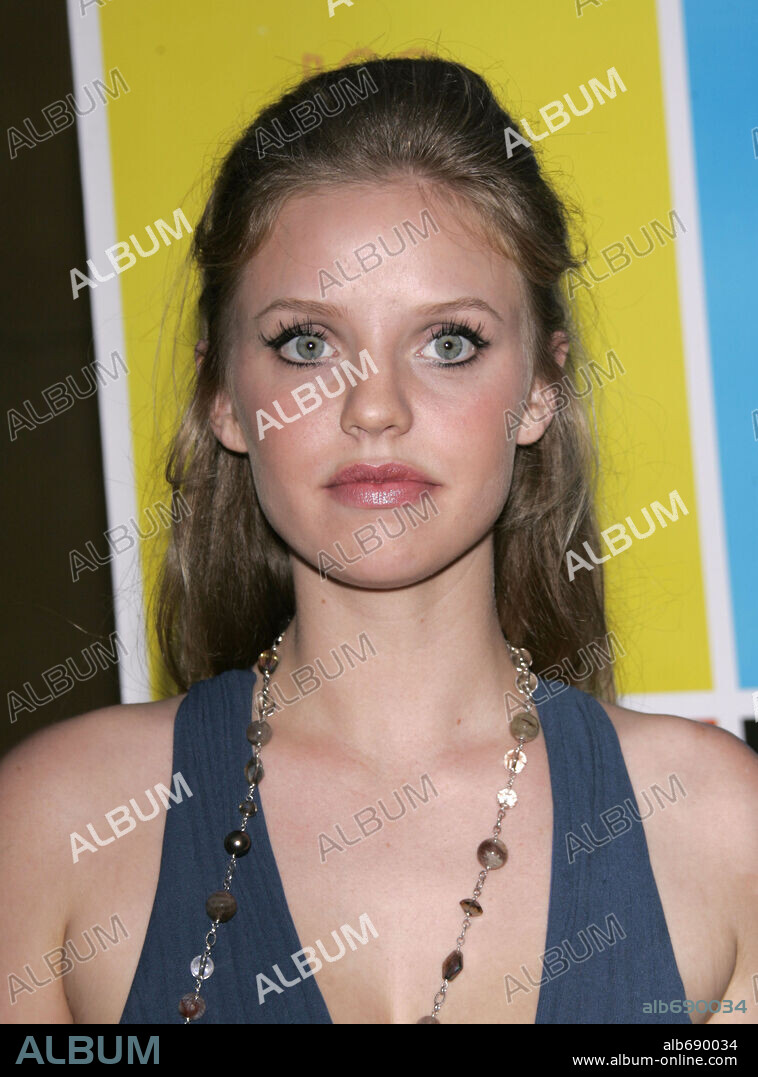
{"points": [[294, 449], [289, 464], [475, 447]]}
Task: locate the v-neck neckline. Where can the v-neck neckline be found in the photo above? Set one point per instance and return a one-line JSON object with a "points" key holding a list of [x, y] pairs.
{"points": [[310, 983]]}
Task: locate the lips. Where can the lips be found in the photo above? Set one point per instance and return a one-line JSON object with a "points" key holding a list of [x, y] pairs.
{"points": [[374, 486], [382, 473]]}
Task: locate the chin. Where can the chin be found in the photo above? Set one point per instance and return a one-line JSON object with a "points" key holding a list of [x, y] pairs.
{"points": [[381, 581]]}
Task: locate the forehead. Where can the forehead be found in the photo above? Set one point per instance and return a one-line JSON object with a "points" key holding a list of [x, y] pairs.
{"points": [[395, 242]]}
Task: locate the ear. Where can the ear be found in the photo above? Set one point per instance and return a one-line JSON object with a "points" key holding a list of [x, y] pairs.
{"points": [[201, 349], [224, 423], [540, 408]]}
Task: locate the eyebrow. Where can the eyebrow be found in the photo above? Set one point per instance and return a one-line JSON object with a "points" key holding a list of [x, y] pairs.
{"points": [[470, 302]]}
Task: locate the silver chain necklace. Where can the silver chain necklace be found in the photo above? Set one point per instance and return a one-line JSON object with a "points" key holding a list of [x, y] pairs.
{"points": [[491, 853]]}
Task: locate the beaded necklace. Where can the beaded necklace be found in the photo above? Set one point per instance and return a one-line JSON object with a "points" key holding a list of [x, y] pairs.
{"points": [[491, 853]]}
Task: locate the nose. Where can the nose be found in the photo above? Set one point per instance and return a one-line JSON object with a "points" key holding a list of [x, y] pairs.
{"points": [[376, 399]]}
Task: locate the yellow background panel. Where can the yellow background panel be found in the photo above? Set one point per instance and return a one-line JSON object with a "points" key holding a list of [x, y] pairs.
{"points": [[197, 75]]}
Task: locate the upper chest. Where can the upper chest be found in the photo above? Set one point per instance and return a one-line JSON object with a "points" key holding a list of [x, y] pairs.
{"points": [[397, 850], [409, 873], [400, 849]]}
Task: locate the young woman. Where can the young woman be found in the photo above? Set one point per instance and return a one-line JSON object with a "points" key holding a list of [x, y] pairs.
{"points": [[382, 291]]}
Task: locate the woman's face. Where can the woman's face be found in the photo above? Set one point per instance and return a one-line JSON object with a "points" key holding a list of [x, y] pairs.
{"points": [[440, 321]]}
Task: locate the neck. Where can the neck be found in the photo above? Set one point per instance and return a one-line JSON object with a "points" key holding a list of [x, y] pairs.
{"points": [[419, 665]]}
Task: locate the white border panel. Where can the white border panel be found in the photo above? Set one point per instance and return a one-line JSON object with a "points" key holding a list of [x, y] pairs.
{"points": [[108, 329], [726, 703]]}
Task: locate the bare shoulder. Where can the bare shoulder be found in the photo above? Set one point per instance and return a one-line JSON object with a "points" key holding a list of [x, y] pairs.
{"points": [[71, 769], [52, 784], [717, 771], [705, 852], [694, 744], [123, 738]]}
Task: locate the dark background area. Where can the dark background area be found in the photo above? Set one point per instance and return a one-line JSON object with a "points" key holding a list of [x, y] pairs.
{"points": [[52, 493]]}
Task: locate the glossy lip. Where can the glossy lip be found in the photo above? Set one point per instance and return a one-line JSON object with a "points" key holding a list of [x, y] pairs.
{"points": [[393, 472], [372, 495]]}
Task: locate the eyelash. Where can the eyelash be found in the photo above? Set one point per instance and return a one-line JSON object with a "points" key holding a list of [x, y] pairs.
{"points": [[468, 332], [460, 328], [286, 333]]}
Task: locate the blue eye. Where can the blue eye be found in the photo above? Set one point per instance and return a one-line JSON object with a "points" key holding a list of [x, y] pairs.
{"points": [[453, 340], [451, 346], [455, 344], [310, 344]]}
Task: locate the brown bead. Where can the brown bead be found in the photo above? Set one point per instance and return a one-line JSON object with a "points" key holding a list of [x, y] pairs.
{"points": [[254, 771], [525, 655], [492, 853], [237, 843], [471, 907], [526, 725], [452, 965], [191, 1007], [259, 733], [268, 660], [427, 1021], [248, 807], [221, 906]]}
